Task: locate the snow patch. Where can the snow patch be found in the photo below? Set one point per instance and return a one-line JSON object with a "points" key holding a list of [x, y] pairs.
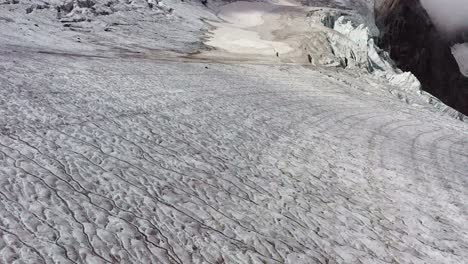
{"points": [[460, 52]]}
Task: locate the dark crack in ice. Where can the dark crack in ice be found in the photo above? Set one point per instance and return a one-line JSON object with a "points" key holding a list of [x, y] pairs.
{"points": [[140, 161]]}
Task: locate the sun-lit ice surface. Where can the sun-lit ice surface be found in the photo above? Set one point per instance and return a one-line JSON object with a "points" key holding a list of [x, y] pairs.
{"points": [[126, 156]]}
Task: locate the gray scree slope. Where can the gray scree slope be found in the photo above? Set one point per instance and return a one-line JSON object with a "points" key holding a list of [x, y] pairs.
{"points": [[131, 159]]}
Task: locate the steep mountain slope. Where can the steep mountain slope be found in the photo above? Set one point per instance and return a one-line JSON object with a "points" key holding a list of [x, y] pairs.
{"points": [[125, 138], [414, 42]]}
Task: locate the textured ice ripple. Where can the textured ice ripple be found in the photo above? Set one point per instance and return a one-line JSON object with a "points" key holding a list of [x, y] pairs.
{"points": [[138, 161]]}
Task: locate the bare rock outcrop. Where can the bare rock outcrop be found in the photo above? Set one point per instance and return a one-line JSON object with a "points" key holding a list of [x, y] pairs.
{"points": [[413, 41]]}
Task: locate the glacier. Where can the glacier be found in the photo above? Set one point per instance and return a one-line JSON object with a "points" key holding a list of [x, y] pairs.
{"points": [[125, 137]]}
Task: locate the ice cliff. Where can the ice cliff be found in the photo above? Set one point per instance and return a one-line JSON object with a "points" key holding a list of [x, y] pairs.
{"points": [[413, 41], [354, 43]]}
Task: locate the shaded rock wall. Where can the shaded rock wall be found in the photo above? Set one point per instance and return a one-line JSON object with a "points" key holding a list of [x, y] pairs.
{"points": [[413, 41]]}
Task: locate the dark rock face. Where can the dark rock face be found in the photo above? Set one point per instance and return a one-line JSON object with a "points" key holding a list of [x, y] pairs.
{"points": [[413, 41]]}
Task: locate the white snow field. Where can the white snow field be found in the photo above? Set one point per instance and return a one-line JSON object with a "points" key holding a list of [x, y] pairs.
{"points": [[460, 51], [131, 154]]}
